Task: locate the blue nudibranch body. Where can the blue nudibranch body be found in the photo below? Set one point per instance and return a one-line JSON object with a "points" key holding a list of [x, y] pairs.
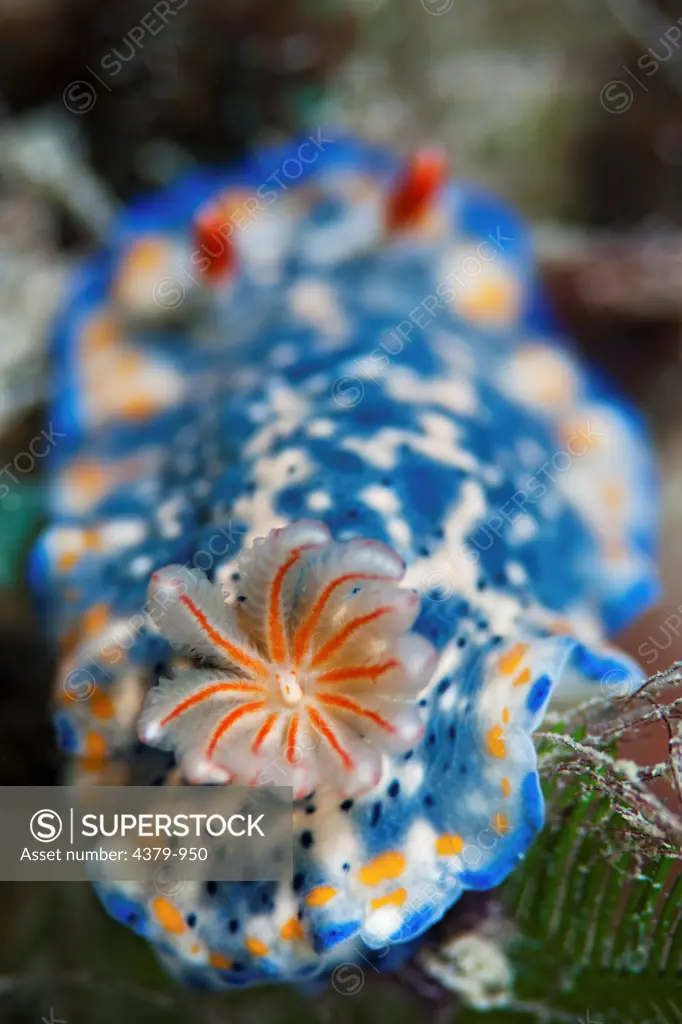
{"points": [[322, 434]]}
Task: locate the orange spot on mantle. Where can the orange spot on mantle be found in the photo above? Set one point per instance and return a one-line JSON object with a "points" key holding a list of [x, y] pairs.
{"points": [[95, 745], [101, 704], [522, 678], [100, 333], [219, 961], [168, 915], [494, 741], [147, 254], [492, 299], [138, 407], [449, 844], [256, 947], [614, 495], [510, 661], [67, 561], [391, 899], [501, 824], [321, 895], [96, 618], [387, 865], [292, 929]]}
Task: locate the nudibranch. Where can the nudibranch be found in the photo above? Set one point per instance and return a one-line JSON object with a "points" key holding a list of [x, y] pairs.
{"points": [[335, 506], [314, 668]]}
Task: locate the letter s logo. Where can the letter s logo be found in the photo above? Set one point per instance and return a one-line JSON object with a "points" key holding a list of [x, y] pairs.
{"points": [[46, 826]]}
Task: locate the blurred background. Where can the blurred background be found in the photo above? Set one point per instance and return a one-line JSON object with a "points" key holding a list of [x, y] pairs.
{"points": [[571, 110]]}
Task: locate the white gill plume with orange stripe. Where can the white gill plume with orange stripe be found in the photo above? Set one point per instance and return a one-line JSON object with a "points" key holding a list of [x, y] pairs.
{"points": [[311, 674]]}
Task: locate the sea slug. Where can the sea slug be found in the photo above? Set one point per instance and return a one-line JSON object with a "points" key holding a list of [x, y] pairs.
{"points": [[334, 494]]}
